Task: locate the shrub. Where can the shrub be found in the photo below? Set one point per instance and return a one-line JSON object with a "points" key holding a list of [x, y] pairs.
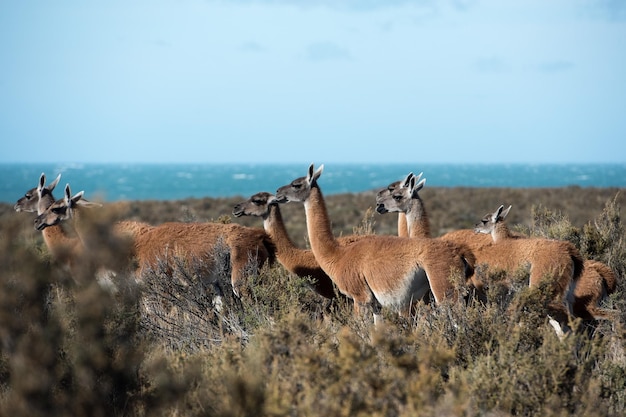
{"points": [[163, 347]]}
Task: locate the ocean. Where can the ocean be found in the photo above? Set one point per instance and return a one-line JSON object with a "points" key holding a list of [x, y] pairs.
{"points": [[114, 182]]}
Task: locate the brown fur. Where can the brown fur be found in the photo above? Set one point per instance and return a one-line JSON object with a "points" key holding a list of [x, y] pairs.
{"points": [[188, 241], [298, 261], [64, 248], [131, 228], [375, 269], [403, 197], [64, 245], [596, 281], [69, 208], [403, 228], [65, 214], [197, 241], [556, 260]]}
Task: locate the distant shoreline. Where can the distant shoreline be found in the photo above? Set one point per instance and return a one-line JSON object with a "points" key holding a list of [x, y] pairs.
{"points": [[130, 182]]}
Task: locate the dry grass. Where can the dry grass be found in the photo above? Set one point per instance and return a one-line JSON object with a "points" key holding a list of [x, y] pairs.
{"points": [[161, 348]]}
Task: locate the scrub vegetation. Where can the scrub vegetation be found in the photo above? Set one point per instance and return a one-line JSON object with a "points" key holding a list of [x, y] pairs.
{"points": [[161, 347]]}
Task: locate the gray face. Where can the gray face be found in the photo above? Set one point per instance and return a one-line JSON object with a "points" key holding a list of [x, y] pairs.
{"points": [[394, 198], [485, 225], [39, 198], [298, 190], [488, 223], [257, 205], [28, 202], [56, 213], [385, 192], [61, 210]]}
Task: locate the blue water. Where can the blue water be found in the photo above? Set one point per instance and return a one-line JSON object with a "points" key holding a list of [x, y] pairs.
{"points": [[112, 182]]}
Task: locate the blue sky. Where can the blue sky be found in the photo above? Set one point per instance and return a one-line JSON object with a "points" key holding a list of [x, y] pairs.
{"points": [[313, 81]]}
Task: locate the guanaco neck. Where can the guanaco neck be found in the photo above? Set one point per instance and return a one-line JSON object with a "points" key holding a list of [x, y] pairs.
{"points": [[500, 232], [59, 242], [403, 228], [323, 242], [275, 227], [55, 237], [417, 220]]}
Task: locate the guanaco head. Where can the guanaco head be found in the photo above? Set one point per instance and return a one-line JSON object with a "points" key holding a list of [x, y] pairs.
{"points": [[398, 195], [300, 188], [38, 197], [257, 205], [61, 210], [488, 224], [386, 192]]}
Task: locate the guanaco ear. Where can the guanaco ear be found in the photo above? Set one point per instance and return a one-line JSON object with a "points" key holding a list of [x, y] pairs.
{"points": [[313, 175], [42, 183], [419, 186], [68, 195], [504, 213], [407, 180], [72, 201], [309, 174], [496, 214], [77, 198], [415, 184], [500, 214], [54, 183]]}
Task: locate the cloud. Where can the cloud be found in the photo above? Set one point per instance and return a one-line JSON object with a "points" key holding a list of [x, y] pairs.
{"points": [[327, 51], [556, 66], [251, 46], [463, 5], [614, 10], [492, 64], [160, 43], [353, 5]]}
